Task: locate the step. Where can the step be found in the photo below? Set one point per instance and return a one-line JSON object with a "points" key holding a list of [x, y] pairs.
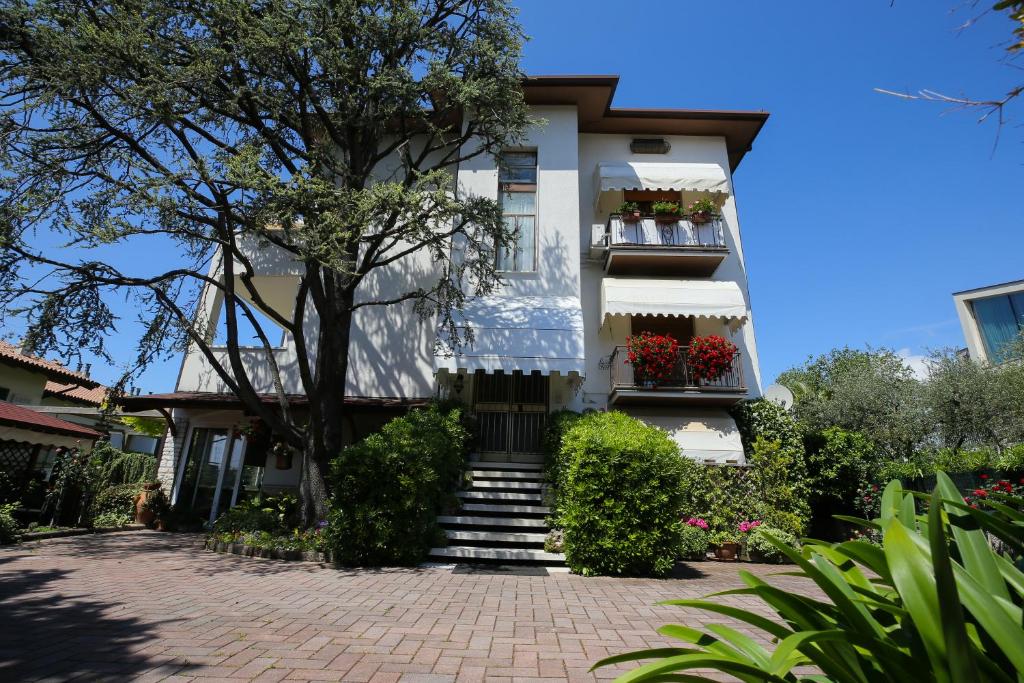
{"points": [[469, 520], [461, 552], [507, 509], [497, 484], [494, 536], [494, 496], [506, 474], [483, 465]]}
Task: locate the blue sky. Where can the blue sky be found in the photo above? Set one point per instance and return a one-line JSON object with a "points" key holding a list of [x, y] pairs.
{"points": [[861, 213]]}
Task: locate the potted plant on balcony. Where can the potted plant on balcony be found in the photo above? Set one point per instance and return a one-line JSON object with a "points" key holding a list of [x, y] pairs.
{"points": [[710, 357], [630, 211], [665, 211], [653, 356], [702, 211]]}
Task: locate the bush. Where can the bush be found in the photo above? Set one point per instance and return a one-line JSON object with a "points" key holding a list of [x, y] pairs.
{"points": [[694, 543], [620, 496], [1011, 460], [273, 513], [761, 549], [116, 500], [112, 519], [388, 488], [115, 466], [9, 530], [955, 460]]}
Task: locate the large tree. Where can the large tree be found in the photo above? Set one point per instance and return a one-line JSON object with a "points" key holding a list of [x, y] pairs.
{"points": [[328, 129]]}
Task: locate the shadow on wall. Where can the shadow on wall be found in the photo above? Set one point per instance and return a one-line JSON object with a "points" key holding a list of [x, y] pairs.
{"points": [[44, 633]]}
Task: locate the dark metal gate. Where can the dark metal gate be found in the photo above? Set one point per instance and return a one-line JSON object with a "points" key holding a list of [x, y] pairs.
{"points": [[511, 411]]}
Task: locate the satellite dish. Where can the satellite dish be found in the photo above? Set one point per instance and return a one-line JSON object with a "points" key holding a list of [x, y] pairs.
{"points": [[779, 394]]}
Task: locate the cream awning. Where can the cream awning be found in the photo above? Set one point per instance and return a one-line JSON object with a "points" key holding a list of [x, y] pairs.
{"points": [[543, 333], [637, 175], [673, 297]]}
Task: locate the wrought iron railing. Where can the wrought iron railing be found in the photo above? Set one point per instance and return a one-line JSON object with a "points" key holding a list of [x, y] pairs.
{"points": [[681, 377], [650, 231]]}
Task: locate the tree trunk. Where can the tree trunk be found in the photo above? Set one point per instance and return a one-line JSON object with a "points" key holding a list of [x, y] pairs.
{"points": [[326, 429]]}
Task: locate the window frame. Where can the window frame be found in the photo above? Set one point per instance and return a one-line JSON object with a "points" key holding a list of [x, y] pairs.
{"points": [[508, 185]]}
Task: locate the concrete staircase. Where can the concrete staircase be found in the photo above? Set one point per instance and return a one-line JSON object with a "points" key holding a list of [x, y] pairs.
{"points": [[502, 518]]}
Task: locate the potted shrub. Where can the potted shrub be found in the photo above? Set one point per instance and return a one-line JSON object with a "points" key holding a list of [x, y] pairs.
{"points": [[144, 513], [710, 357], [665, 211], [726, 545], [761, 550], [630, 211], [653, 356], [282, 455], [695, 539], [154, 509], [746, 528], [702, 211]]}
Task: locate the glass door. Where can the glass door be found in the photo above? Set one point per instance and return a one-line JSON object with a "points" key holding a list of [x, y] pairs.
{"points": [[211, 476]]}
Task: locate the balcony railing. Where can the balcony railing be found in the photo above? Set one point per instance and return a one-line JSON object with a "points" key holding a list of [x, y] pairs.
{"points": [[681, 377], [648, 231]]}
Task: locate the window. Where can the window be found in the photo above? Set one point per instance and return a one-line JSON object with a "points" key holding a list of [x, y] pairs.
{"points": [[1000, 321], [517, 190]]}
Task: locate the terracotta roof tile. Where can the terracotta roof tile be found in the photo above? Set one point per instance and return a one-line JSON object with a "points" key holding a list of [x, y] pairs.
{"points": [[76, 392], [25, 418], [12, 354]]}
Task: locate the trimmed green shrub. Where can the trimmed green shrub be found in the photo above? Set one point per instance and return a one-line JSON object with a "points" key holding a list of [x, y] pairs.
{"points": [[620, 496], [117, 500], [388, 489], [760, 549], [693, 543], [112, 519], [9, 530], [115, 466]]}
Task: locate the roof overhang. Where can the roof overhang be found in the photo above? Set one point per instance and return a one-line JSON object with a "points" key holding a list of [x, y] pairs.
{"points": [[210, 400], [24, 418], [592, 96]]}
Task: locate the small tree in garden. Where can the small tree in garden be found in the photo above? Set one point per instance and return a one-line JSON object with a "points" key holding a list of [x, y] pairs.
{"points": [[710, 357], [203, 132], [653, 356]]}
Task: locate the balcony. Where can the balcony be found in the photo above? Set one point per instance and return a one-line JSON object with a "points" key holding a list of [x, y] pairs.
{"points": [[681, 387], [659, 246]]}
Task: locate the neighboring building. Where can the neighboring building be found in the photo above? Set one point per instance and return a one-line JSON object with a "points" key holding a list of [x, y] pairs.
{"points": [[579, 282], [45, 405], [991, 317]]}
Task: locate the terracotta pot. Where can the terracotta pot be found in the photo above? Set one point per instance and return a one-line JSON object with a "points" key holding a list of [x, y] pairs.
{"points": [[632, 217], [727, 551], [283, 461], [700, 217], [142, 515], [160, 526], [666, 217], [151, 486]]}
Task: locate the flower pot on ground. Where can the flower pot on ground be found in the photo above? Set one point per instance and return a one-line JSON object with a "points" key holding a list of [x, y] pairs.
{"points": [[653, 357], [702, 211], [728, 551], [665, 211], [710, 357]]}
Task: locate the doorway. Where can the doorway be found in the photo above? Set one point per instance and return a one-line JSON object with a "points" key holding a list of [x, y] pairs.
{"points": [[215, 476], [511, 410]]}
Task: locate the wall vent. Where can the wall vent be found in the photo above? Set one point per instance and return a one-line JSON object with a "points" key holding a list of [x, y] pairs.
{"points": [[649, 146]]}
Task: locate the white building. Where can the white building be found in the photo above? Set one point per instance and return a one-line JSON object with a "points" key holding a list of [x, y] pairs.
{"points": [[579, 283], [991, 318]]}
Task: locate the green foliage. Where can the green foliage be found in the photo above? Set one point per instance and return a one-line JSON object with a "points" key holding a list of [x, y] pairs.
{"points": [[9, 527], [669, 208], [620, 496], [762, 549], [780, 484], [388, 488], [627, 207], [950, 460], [112, 519], [271, 513], [150, 426], [116, 500], [1011, 460], [303, 540], [703, 205], [693, 543], [558, 423], [114, 466], [935, 602], [840, 462]]}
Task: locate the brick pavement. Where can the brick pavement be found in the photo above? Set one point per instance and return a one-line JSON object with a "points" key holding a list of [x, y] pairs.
{"points": [[148, 606]]}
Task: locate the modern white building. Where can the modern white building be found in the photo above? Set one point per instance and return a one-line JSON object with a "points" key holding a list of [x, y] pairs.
{"points": [[580, 281], [991, 317]]}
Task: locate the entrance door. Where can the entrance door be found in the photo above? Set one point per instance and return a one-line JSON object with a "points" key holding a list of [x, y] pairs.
{"points": [[511, 410], [213, 472]]}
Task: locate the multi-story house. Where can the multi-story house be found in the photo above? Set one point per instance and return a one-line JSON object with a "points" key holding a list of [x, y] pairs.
{"points": [[580, 280], [992, 318]]}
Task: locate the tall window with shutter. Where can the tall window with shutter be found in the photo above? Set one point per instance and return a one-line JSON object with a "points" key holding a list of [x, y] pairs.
{"points": [[517, 190]]}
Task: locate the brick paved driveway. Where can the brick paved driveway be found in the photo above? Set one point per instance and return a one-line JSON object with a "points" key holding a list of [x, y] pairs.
{"points": [[156, 607]]}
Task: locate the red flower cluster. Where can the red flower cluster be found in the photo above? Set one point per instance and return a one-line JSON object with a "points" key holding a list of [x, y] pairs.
{"points": [[710, 357], [653, 356], [1004, 486]]}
